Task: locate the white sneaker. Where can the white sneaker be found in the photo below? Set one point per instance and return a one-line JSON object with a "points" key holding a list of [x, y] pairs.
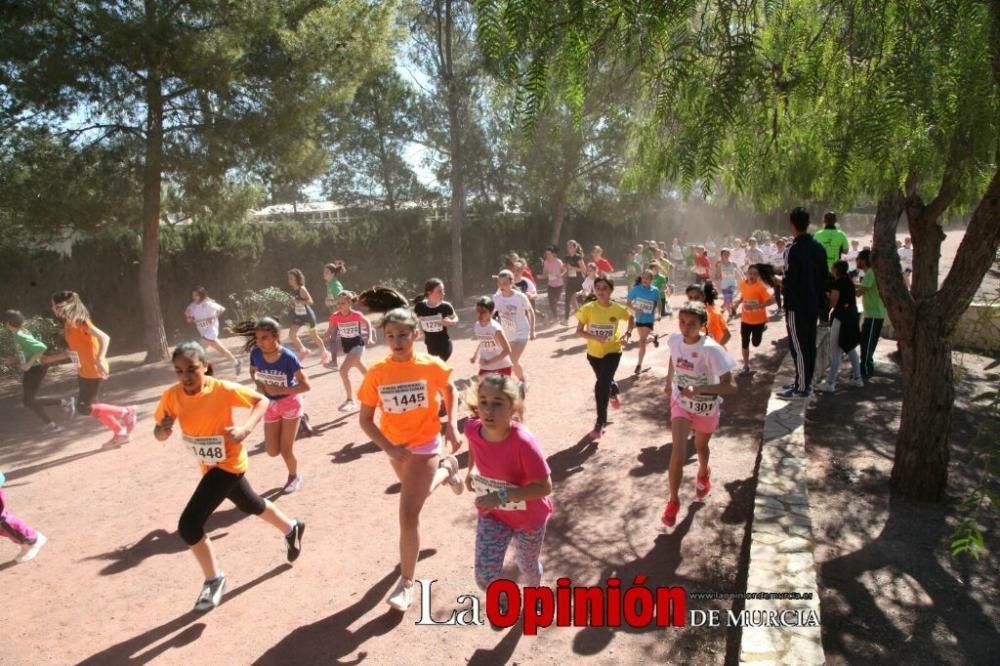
{"points": [[211, 594], [30, 550], [857, 382], [294, 483], [239, 367], [402, 596], [348, 406], [824, 387]]}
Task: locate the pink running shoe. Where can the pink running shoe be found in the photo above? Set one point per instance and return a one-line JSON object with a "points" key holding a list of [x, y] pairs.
{"points": [[703, 484], [130, 419], [669, 517]]}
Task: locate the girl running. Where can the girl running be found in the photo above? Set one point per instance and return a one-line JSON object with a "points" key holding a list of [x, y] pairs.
{"points": [[204, 314], [406, 387], [553, 268], [516, 316], [88, 349], [511, 480], [29, 539], [574, 269], [642, 300], [30, 352], [716, 326], [845, 328], [303, 315], [278, 374], [354, 331], [599, 324], [604, 267], [331, 275], [436, 316], [203, 407], [728, 274], [493, 350], [700, 371], [754, 299]]}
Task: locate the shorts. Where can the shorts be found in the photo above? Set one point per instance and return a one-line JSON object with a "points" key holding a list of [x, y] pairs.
{"points": [[352, 345], [308, 319], [727, 295], [287, 408], [439, 346], [508, 371], [431, 448], [702, 424], [754, 332], [640, 324]]}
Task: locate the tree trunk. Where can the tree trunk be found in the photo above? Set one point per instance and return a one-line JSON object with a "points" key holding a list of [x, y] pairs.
{"points": [[456, 119], [153, 334], [559, 214]]}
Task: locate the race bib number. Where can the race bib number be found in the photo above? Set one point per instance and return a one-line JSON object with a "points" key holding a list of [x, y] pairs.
{"points": [[432, 324], [488, 343], [351, 329], [752, 305], [604, 332], [74, 358], [483, 485], [644, 305], [554, 277], [700, 406], [272, 378], [508, 321], [205, 325], [300, 309], [402, 398], [208, 450]]}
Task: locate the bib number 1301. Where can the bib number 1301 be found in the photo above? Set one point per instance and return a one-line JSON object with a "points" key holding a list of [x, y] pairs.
{"points": [[401, 398]]}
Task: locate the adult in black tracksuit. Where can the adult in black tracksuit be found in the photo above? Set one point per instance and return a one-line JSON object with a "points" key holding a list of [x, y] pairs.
{"points": [[803, 288]]}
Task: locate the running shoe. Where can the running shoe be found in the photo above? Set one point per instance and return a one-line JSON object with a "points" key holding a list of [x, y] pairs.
{"points": [[788, 392], [239, 367], [332, 365], [130, 418], [116, 441], [305, 426], [293, 540], [211, 594], [304, 354], [703, 484], [450, 463], [325, 358], [402, 596], [669, 516], [69, 406], [596, 433], [857, 382], [616, 402], [30, 550], [825, 387], [789, 386], [745, 371], [294, 483], [348, 406], [638, 369], [656, 340], [52, 426]]}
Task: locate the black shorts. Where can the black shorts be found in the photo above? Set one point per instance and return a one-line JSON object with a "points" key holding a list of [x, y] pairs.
{"points": [[640, 324], [308, 319], [347, 344], [754, 332]]}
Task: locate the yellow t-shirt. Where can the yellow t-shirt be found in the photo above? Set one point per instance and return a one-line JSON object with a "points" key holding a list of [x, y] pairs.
{"points": [[407, 393], [203, 419], [603, 322], [83, 349]]}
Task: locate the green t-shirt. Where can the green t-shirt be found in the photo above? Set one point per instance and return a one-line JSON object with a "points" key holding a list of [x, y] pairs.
{"points": [[28, 346], [333, 288], [832, 240], [633, 270], [871, 300], [660, 281]]}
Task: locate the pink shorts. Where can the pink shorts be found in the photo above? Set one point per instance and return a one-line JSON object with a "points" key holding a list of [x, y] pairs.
{"points": [[288, 408], [704, 424], [431, 448]]}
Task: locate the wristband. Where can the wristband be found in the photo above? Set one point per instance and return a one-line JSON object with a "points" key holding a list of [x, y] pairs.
{"points": [[502, 495]]}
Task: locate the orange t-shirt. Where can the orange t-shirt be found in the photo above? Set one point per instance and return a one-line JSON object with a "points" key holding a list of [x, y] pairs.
{"points": [[407, 393], [203, 419], [83, 349], [716, 326], [755, 294]]}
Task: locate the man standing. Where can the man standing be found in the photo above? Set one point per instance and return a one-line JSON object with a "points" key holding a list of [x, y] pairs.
{"points": [[803, 295], [874, 313], [833, 240]]}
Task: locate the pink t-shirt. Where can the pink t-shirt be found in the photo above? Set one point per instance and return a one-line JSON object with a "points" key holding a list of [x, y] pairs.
{"points": [[512, 463], [349, 325], [553, 271]]}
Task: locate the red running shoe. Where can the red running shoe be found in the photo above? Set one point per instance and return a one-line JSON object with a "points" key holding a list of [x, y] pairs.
{"points": [[616, 402], [703, 484], [669, 517]]}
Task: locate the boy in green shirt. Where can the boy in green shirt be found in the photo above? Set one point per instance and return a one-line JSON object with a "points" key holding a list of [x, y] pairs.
{"points": [[833, 240], [29, 359], [660, 282]]}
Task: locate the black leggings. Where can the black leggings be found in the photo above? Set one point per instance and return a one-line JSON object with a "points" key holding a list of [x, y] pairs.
{"points": [[215, 486], [554, 293], [573, 285], [440, 348], [89, 392], [604, 368], [32, 382]]}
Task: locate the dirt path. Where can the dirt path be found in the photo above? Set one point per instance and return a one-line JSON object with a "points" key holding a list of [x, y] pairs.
{"points": [[115, 583]]}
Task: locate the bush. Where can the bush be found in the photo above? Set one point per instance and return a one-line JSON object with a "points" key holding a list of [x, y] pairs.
{"points": [[46, 329], [257, 303]]}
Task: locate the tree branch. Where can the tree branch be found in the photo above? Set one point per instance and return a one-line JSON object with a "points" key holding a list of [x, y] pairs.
{"points": [[888, 276], [945, 196]]}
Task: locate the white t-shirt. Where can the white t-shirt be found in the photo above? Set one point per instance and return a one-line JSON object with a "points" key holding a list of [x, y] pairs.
{"points": [[513, 311], [755, 256], [206, 318], [906, 257], [778, 259], [740, 257], [488, 347], [588, 286], [698, 364]]}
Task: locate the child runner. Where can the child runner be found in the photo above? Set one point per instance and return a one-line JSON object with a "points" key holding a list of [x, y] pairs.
{"points": [[278, 374], [30, 540], [660, 282], [575, 270], [303, 315], [716, 325], [511, 480], [493, 349], [406, 387], [873, 311], [633, 265], [348, 325], [436, 316], [88, 349], [203, 407], [845, 333], [642, 299], [754, 299], [700, 371], [331, 275], [604, 266], [599, 323], [525, 284], [702, 264], [727, 273], [516, 316], [30, 352], [553, 267], [204, 314]]}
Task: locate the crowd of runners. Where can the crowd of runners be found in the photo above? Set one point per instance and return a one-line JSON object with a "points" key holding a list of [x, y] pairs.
{"points": [[408, 404]]}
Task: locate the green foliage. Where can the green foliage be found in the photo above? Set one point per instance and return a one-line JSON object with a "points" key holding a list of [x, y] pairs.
{"points": [[45, 329], [256, 303]]}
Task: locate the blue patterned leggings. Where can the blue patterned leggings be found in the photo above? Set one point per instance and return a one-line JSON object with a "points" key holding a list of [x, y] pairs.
{"points": [[492, 539]]}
